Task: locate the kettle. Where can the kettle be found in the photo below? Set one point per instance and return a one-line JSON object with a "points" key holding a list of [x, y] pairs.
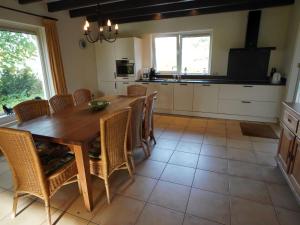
{"points": [[276, 78], [152, 74]]}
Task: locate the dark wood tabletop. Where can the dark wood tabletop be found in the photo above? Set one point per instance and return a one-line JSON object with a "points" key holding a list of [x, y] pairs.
{"points": [[76, 126]]}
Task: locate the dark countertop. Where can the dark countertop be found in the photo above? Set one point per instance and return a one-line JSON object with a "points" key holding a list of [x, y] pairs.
{"points": [[214, 80]]}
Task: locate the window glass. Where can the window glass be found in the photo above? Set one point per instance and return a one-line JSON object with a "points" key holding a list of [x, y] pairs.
{"points": [[165, 53], [195, 54], [21, 71]]}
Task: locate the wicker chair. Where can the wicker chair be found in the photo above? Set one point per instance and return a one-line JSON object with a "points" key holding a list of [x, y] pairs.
{"points": [[61, 102], [82, 96], [113, 141], [30, 175], [136, 125], [148, 121], [136, 90], [31, 109]]}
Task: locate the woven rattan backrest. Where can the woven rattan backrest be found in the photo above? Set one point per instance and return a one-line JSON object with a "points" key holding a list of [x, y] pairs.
{"points": [[61, 102], [137, 110], [114, 131], [82, 96], [19, 150], [31, 109], [148, 113], [136, 90]]}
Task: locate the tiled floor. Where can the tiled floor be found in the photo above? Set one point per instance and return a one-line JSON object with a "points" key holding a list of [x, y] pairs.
{"points": [[201, 172]]}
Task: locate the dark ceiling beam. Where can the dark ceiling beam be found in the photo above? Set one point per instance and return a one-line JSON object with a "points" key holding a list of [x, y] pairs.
{"points": [[28, 1], [71, 4], [234, 6], [131, 5]]}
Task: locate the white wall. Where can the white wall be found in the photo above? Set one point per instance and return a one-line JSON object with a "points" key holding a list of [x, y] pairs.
{"points": [[79, 65], [229, 30]]}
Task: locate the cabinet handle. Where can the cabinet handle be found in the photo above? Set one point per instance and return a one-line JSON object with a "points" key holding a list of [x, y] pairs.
{"points": [[246, 102], [164, 84], [125, 78], [125, 58], [206, 85], [183, 84], [289, 120], [248, 86], [115, 74], [125, 82]]}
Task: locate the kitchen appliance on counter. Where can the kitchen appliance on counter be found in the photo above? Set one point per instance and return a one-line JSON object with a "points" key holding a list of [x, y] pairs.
{"points": [[125, 69], [152, 74], [276, 78]]}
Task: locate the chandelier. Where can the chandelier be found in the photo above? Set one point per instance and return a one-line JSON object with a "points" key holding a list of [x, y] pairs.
{"points": [[107, 33]]}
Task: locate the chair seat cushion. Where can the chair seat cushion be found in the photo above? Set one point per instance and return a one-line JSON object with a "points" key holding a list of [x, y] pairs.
{"points": [[95, 149], [53, 156]]}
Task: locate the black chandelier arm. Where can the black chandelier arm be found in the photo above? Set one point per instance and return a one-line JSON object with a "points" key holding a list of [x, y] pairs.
{"points": [[90, 39], [110, 39]]}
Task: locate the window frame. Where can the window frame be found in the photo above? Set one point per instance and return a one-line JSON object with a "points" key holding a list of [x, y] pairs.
{"points": [[179, 37], [48, 87]]}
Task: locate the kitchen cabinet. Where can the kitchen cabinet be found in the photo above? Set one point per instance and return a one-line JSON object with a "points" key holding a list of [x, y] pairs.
{"points": [[125, 48], [151, 87], [206, 98], [183, 97], [105, 61], [295, 168], [122, 87], [285, 147], [165, 95], [108, 88]]}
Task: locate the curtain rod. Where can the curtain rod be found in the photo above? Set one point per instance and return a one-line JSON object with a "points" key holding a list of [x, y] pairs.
{"points": [[28, 13]]}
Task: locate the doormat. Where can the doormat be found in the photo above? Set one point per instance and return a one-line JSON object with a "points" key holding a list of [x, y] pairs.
{"points": [[258, 130]]}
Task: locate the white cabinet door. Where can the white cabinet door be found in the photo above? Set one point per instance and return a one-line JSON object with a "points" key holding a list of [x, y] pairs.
{"points": [[122, 87], [164, 96], [251, 92], [249, 108], [125, 48], [108, 88], [206, 97], [183, 97], [106, 61]]}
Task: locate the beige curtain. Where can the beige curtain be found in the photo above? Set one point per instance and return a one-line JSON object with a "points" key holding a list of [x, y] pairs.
{"points": [[55, 58]]}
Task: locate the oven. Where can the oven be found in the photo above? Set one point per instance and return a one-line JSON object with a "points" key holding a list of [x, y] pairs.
{"points": [[125, 68]]}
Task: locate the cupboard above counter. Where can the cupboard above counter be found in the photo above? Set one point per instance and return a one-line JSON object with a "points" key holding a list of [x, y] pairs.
{"points": [[228, 101]]}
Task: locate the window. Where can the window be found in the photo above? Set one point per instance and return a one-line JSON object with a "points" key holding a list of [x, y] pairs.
{"points": [[182, 53], [22, 73]]}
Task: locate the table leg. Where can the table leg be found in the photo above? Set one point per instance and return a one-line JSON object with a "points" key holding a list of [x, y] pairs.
{"points": [[83, 165]]}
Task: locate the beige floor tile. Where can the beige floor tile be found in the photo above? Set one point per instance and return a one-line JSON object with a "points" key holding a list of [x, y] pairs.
{"points": [[184, 159], [166, 143], [213, 150], [33, 214], [193, 220], [121, 211], [140, 188], [209, 205], [63, 218], [233, 143], [249, 189], [149, 168], [197, 122], [216, 132], [273, 175], [243, 169], [6, 180], [169, 195], [157, 215], [265, 147], [216, 124], [245, 212], [189, 147], [172, 135], [235, 135], [265, 159], [214, 140], [265, 140], [211, 181], [282, 197], [191, 136], [212, 164], [178, 174], [287, 217], [241, 155], [162, 155]]}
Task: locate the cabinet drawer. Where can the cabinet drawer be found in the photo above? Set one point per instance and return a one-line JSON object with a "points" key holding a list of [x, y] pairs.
{"points": [[290, 121], [248, 108]]}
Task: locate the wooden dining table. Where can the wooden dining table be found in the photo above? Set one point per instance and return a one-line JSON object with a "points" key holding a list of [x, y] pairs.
{"points": [[75, 127]]}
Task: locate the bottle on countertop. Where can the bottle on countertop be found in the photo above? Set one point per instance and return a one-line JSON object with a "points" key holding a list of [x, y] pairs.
{"points": [[273, 70]]}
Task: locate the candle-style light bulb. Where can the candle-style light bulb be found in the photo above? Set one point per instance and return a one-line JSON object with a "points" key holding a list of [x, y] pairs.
{"points": [[116, 27], [101, 29], [86, 25], [108, 23]]}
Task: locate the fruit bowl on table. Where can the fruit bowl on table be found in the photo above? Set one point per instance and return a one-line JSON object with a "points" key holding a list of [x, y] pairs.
{"points": [[97, 105]]}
